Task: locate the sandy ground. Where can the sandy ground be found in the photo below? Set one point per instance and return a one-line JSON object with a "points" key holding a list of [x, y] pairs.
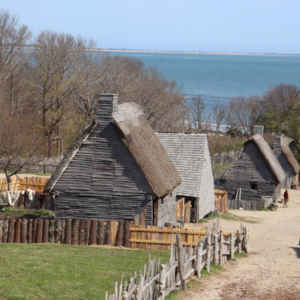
{"points": [[272, 269]]}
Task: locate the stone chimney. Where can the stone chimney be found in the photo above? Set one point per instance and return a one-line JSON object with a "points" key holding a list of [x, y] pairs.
{"points": [[108, 108], [258, 129]]}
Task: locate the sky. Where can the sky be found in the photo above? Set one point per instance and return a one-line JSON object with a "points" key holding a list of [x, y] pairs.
{"points": [[251, 26]]}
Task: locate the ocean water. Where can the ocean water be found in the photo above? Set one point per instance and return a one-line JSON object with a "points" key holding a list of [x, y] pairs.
{"points": [[217, 78]]}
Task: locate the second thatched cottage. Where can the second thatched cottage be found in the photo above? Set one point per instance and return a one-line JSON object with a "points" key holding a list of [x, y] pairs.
{"points": [[191, 157], [253, 180], [287, 160], [116, 169]]}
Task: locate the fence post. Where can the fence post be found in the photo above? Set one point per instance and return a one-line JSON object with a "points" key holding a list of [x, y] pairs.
{"points": [[199, 258], [51, 231], [162, 282], [221, 247], [231, 246], [126, 242], [139, 291], [246, 238], [207, 266], [39, 236], [69, 232], [18, 231], [29, 232], [239, 241], [100, 238], [24, 231], [116, 290], [180, 261], [216, 256], [11, 230], [46, 231], [93, 234]]}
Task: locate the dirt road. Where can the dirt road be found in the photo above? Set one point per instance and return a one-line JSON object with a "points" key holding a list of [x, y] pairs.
{"points": [[272, 269]]}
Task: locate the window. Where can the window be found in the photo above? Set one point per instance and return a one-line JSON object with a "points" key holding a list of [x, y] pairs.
{"points": [[253, 186]]}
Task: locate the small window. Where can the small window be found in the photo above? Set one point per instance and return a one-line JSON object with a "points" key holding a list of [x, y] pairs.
{"points": [[253, 186]]}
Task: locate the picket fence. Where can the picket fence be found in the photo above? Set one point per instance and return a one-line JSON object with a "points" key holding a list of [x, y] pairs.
{"points": [[161, 279]]}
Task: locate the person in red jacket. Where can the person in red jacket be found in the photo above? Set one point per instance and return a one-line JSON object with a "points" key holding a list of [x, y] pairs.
{"points": [[286, 198]]}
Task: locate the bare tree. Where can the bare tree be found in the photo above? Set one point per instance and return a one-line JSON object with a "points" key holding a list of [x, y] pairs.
{"points": [[87, 68], [198, 112], [218, 113], [20, 143], [53, 81], [242, 113], [12, 59], [161, 100]]}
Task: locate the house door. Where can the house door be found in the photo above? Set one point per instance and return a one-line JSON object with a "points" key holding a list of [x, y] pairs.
{"points": [[180, 208]]}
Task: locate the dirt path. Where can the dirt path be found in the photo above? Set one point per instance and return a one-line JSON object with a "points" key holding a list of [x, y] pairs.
{"points": [[272, 269]]}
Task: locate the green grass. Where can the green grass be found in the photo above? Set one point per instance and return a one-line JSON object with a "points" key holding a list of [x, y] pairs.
{"points": [[228, 217], [8, 210], [265, 209], [218, 168], [30, 271]]}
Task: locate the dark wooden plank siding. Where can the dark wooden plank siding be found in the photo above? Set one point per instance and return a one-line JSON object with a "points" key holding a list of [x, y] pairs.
{"points": [[103, 181], [250, 167]]}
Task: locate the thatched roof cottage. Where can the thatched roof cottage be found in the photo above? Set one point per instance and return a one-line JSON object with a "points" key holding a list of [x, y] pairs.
{"points": [[253, 180], [286, 159], [191, 157], [115, 169]]}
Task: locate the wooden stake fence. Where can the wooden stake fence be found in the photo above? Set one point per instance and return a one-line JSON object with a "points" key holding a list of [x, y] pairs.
{"points": [[158, 280]]}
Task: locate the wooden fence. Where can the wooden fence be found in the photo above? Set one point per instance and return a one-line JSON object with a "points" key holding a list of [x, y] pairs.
{"points": [[221, 201], [34, 183], [17, 183], [75, 232], [159, 280]]}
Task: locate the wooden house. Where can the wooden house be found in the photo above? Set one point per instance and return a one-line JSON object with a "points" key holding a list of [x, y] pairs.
{"points": [[253, 179], [286, 159], [116, 169], [191, 157]]}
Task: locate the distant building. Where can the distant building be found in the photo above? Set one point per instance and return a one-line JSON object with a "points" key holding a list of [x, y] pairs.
{"points": [[116, 169], [286, 159], [253, 180], [191, 157]]}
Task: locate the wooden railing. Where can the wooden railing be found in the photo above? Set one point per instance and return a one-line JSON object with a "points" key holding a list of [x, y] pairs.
{"points": [[159, 280]]}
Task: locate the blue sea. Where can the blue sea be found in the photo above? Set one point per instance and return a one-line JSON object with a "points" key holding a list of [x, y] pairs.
{"points": [[220, 77]]}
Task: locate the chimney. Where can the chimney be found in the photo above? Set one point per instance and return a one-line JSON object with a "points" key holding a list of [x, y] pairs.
{"points": [[258, 129], [108, 108]]}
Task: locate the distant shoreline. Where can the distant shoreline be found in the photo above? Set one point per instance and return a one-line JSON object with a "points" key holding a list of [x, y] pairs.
{"points": [[193, 52]]}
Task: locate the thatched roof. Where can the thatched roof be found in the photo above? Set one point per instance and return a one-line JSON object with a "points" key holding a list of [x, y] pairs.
{"points": [[141, 141], [266, 152], [285, 141], [147, 150]]}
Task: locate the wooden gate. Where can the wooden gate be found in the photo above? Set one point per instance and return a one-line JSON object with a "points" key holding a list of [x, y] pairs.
{"points": [[180, 209]]}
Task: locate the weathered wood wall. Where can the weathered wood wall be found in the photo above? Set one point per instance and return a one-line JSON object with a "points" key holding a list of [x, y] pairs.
{"points": [[191, 158], [250, 167], [206, 197]]}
